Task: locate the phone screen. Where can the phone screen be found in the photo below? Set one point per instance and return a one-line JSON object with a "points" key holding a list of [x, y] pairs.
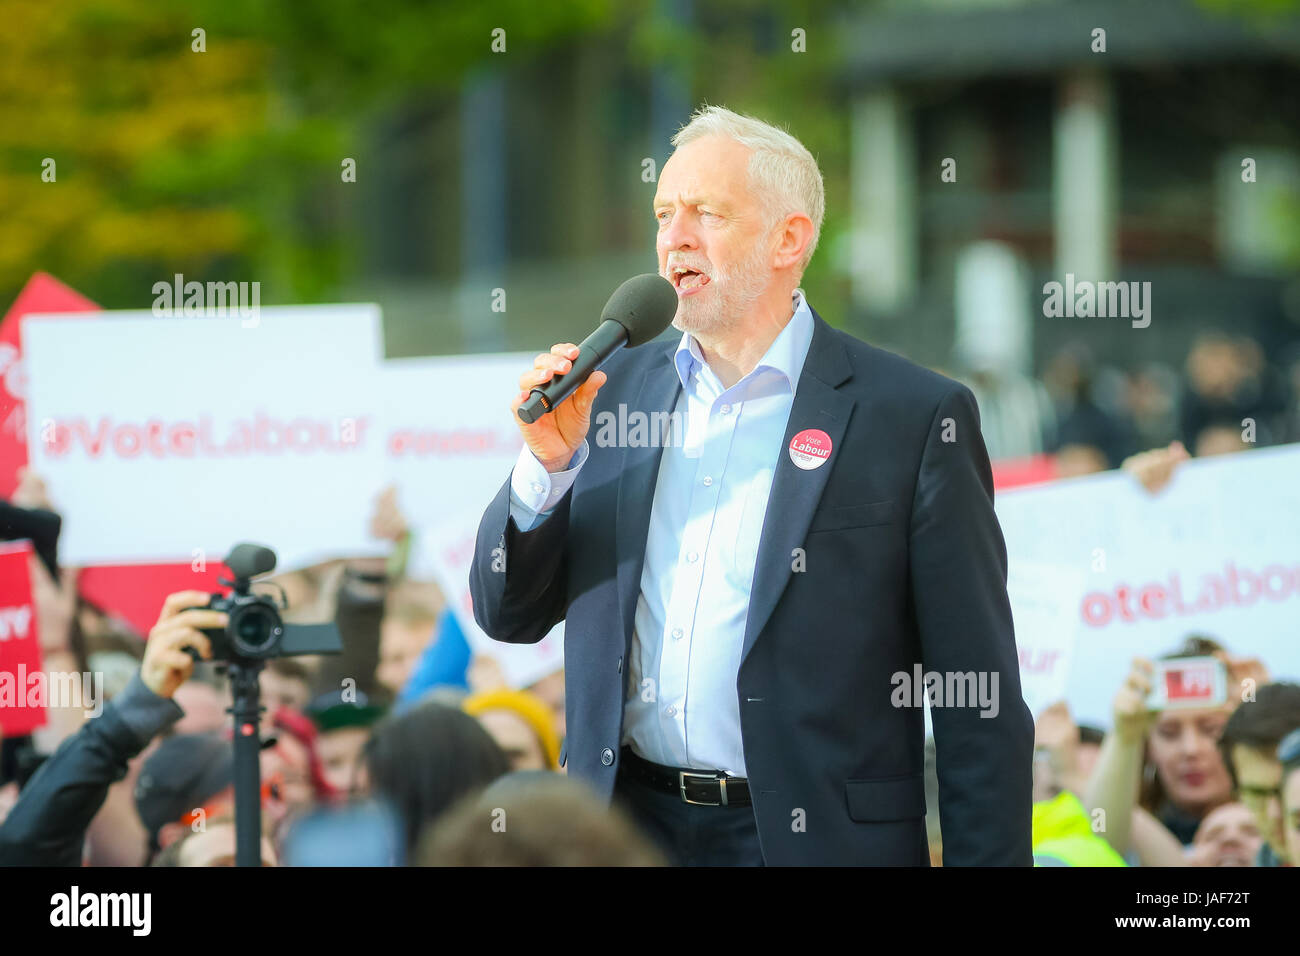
{"points": [[1189, 682]]}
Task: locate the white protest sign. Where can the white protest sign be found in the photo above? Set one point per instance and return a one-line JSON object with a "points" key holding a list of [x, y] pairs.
{"points": [[1216, 552], [449, 440], [522, 664], [1046, 628], [450, 443], [161, 438]]}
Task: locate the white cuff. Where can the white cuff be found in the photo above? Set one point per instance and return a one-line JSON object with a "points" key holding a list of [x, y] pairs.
{"points": [[537, 489]]}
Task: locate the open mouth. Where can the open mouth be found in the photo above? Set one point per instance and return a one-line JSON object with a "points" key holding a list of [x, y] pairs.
{"points": [[686, 280]]}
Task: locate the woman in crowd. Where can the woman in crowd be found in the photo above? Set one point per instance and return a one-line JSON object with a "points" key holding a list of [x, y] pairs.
{"points": [[423, 761], [1159, 773]]}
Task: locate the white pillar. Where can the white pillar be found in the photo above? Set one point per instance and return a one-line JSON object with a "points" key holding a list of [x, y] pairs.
{"points": [[1084, 197], [884, 228]]}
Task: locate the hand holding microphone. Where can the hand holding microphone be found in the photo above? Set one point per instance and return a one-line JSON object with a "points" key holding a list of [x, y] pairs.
{"points": [[554, 428], [555, 438]]}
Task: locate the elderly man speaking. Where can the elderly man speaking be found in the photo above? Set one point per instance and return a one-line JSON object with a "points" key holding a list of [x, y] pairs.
{"points": [[758, 609]]}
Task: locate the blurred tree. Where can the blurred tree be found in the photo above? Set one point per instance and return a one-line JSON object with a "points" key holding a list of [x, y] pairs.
{"points": [[175, 151]]}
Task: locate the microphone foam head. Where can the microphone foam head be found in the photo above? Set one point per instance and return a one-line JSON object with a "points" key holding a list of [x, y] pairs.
{"points": [[250, 560], [644, 305]]}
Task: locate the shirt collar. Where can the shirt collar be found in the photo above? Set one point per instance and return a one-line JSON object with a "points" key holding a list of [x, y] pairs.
{"points": [[786, 354]]}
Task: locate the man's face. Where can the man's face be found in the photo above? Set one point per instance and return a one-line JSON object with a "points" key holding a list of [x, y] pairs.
{"points": [[1259, 776], [1219, 440], [1228, 836], [280, 691], [710, 222], [340, 754], [515, 738], [400, 646]]}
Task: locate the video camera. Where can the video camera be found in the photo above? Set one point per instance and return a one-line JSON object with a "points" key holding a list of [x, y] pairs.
{"points": [[255, 631], [254, 634]]}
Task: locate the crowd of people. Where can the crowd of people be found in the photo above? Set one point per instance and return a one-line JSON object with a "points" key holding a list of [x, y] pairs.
{"points": [[1091, 415], [405, 749], [410, 749], [1179, 787], [1187, 786]]}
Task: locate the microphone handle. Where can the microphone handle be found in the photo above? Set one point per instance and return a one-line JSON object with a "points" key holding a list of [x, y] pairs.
{"points": [[595, 350]]}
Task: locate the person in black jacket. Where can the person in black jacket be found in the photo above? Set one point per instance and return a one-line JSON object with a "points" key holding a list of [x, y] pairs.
{"points": [[47, 826], [778, 543]]}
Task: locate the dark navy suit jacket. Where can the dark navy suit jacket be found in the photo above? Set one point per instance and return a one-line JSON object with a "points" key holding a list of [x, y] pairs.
{"points": [[903, 563]]}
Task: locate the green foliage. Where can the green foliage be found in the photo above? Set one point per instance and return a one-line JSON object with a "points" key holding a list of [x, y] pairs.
{"points": [[168, 159]]}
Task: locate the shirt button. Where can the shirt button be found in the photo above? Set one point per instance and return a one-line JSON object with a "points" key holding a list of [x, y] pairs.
{"points": [[607, 756], [537, 487], [708, 480], [677, 633], [671, 711], [693, 557], [726, 409]]}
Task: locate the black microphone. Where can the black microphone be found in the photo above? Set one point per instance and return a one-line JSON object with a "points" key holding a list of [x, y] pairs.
{"points": [[637, 312], [250, 560]]}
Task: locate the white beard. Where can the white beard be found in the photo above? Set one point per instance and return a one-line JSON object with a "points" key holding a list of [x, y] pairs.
{"points": [[733, 293]]}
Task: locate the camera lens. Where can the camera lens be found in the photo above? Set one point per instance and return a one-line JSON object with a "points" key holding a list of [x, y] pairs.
{"points": [[255, 629]]}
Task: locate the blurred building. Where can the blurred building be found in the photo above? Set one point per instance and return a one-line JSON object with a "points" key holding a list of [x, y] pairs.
{"points": [[1122, 165]]}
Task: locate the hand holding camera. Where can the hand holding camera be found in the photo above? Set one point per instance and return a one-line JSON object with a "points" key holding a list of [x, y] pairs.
{"points": [[251, 629], [178, 640]]}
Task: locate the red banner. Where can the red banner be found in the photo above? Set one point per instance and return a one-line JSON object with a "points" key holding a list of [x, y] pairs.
{"points": [[1015, 472], [134, 592], [43, 293], [20, 646]]}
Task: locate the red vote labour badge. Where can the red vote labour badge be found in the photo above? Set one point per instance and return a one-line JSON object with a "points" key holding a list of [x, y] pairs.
{"points": [[810, 448]]}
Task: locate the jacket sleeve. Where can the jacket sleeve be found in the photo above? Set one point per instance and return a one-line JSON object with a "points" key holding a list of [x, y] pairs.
{"points": [[517, 580], [47, 826], [959, 592]]}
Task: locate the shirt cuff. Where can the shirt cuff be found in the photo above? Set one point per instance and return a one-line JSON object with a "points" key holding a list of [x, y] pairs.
{"points": [[146, 713], [534, 489]]}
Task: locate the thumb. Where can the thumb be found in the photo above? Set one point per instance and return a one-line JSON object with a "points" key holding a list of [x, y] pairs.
{"points": [[586, 394]]}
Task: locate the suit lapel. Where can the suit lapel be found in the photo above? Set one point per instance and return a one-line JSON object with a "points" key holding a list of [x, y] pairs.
{"points": [[795, 491]]}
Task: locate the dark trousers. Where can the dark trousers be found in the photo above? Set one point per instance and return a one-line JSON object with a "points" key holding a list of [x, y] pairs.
{"points": [[690, 834]]}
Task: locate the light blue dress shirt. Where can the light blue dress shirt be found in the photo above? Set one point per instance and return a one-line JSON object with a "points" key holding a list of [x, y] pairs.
{"points": [[681, 707]]}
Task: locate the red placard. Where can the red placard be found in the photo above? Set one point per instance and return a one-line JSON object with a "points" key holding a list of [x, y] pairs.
{"points": [[20, 646], [1190, 683], [134, 592], [1016, 472], [42, 293]]}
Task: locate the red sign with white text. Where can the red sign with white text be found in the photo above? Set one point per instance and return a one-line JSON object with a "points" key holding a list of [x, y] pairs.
{"points": [[42, 293], [20, 647], [135, 592]]}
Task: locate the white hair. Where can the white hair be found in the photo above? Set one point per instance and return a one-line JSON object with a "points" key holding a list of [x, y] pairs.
{"points": [[782, 173]]}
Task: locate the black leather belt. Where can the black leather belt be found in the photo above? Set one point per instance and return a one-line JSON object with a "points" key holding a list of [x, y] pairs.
{"points": [[710, 788]]}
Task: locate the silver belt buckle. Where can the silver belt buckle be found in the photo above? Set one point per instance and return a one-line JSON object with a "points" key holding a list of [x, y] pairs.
{"points": [[682, 775]]}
